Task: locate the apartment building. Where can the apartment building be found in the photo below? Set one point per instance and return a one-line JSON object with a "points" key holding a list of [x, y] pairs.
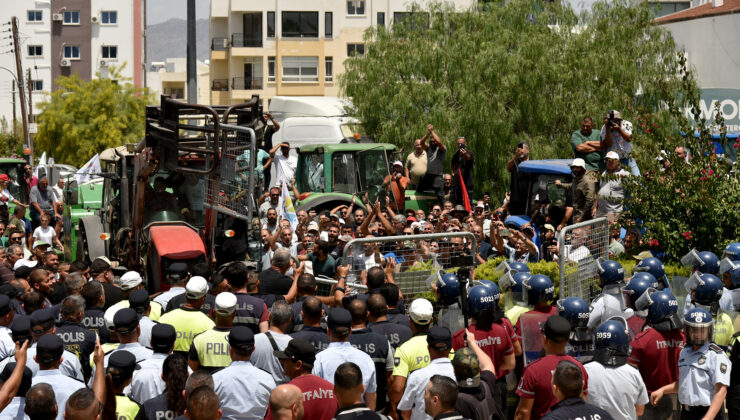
{"points": [[291, 47], [64, 37]]}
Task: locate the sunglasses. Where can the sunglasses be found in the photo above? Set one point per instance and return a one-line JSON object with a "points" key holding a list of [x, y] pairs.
{"points": [[15, 239]]}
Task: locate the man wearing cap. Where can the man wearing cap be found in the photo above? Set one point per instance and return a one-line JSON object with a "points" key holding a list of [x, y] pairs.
{"points": [[14, 410], [462, 165], [396, 184], [582, 191], [319, 402], [49, 349], [414, 353], [285, 164], [617, 136], [251, 311], [340, 351], [479, 397], [243, 390], [439, 344], [611, 191], [138, 300], [100, 270], [177, 276], [147, 381], [587, 145], [189, 321], [178, 301], [121, 366], [77, 339], [535, 387], [126, 327], [210, 349], [94, 318]]}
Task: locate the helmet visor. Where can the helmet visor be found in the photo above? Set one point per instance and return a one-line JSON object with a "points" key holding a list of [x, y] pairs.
{"points": [[691, 260], [727, 265], [643, 302], [693, 282], [698, 334]]}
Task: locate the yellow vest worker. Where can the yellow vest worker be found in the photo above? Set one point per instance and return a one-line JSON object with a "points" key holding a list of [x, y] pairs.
{"points": [[723, 330], [121, 366], [189, 321], [413, 354], [126, 408], [513, 313], [210, 350]]}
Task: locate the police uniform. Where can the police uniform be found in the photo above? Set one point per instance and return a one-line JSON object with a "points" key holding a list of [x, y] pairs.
{"points": [[411, 355], [77, 340], [14, 410], [157, 409], [70, 366], [576, 408], [250, 312], [145, 331], [698, 372], [616, 389], [178, 302], [147, 381], [314, 335], [63, 385], [94, 320], [164, 298], [723, 330], [7, 346], [395, 333], [211, 349], [243, 390], [127, 409], [396, 316], [297, 317], [513, 313], [413, 395], [379, 349], [140, 352], [188, 323], [337, 353]]}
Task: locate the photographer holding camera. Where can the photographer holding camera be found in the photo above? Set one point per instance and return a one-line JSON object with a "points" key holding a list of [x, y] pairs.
{"points": [[617, 136], [462, 165]]}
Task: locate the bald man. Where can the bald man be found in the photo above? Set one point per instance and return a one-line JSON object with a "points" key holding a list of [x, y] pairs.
{"points": [[286, 403], [203, 404]]}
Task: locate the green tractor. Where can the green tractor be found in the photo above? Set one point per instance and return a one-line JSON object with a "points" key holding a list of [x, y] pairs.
{"points": [[13, 168], [329, 175]]}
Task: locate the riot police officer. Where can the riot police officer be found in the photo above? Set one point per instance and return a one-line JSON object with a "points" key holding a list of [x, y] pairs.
{"points": [[656, 268], [611, 302], [514, 302], [580, 344], [706, 291], [448, 291], [703, 371], [704, 262], [615, 386], [732, 251], [537, 292]]}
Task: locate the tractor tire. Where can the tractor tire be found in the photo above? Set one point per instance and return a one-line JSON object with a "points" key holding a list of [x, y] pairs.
{"points": [[89, 243]]}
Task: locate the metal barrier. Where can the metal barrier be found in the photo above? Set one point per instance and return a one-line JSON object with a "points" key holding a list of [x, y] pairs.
{"points": [[230, 194], [416, 256], [579, 247]]}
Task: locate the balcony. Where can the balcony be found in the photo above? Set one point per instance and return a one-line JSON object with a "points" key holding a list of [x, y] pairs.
{"points": [[240, 83], [220, 85], [240, 40], [219, 44]]}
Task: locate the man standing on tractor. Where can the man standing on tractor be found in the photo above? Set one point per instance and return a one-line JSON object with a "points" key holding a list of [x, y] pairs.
{"points": [[396, 183]]}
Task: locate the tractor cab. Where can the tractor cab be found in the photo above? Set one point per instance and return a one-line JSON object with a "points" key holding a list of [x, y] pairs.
{"points": [[13, 168]]}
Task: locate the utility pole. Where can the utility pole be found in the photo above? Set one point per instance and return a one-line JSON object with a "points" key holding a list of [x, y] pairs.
{"points": [[192, 68], [15, 124], [19, 73], [30, 109]]}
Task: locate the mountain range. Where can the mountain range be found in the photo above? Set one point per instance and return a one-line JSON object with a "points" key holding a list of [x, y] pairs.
{"points": [[169, 39]]}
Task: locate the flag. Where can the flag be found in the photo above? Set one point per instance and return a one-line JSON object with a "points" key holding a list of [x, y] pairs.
{"points": [[287, 211], [88, 170], [465, 198]]}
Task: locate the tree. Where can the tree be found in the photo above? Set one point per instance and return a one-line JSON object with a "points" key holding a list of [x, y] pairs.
{"points": [[500, 74], [11, 142], [82, 118]]}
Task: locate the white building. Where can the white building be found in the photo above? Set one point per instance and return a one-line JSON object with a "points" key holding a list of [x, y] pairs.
{"points": [[170, 77]]}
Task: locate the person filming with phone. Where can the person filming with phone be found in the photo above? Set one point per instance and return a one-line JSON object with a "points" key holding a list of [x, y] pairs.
{"points": [[517, 204]]}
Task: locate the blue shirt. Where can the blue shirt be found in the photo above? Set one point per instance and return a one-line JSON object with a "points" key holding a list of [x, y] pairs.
{"points": [[699, 371], [64, 386], [328, 361], [243, 391], [413, 396], [14, 410]]}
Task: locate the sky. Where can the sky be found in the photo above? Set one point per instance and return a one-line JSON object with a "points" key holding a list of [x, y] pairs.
{"points": [[161, 10]]}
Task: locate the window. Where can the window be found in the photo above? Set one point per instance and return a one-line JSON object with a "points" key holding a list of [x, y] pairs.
{"points": [[71, 17], [110, 51], [35, 15], [271, 24], [37, 85], [300, 24], [72, 51], [35, 50], [355, 7], [328, 69], [381, 19], [270, 69], [300, 69], [355, 49], [328, 25], [109, 17]]}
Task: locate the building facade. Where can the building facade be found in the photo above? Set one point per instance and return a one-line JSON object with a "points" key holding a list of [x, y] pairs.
{"points": [[291, 47], [65, 37], [170, 77]]}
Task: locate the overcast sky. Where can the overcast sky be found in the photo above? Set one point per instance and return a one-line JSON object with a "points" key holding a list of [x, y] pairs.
{"points": [[161, 10]]}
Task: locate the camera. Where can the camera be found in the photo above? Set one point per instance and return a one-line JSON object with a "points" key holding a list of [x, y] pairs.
{"points": [[612, 122]]}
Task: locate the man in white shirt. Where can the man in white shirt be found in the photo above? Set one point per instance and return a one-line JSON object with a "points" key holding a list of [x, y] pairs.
{"points": [[285, 164]]}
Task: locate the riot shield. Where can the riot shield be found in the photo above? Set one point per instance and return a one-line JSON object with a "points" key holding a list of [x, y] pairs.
{"points": [[583, 351], [531, 333], [691, 260], [680, 292]]}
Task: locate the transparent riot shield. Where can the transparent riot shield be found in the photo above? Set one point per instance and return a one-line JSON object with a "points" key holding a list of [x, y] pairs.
{"points": [[531, 333]]}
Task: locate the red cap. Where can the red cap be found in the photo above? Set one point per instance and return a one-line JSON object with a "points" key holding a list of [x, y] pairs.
{"points": [[411, 219], [4, 177]]}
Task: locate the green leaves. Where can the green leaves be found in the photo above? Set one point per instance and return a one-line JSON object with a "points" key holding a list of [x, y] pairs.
{"points": [[83, 118], [505, 73]]}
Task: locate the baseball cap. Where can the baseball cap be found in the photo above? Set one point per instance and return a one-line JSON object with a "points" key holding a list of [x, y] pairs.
{"points": [[99, 265], [23, 272], [298, 349], [130, 280], [408, 245], [556, 328], [439, 338], [39, 244], [578, 163], [25, 378], [241, 337], [641, 256], [163, 337], [178, 269], [335, 216], [124, 362], [467, 368], [138, 300], [4, 177], [617, 115], [313, 226], [549, 227], [480, 206], [339, 321], [10, 291], [5, 306], [225, 303], [398, 163], [612, 155], [49, 348], [196, 288], [42, 320], [411, 219], [345, 238], [421, 311], [460, 207], [125, 320], [20, 328]]}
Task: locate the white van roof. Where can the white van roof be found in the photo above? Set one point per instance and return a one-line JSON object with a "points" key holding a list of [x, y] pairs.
{"points": [[308, 106]]}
